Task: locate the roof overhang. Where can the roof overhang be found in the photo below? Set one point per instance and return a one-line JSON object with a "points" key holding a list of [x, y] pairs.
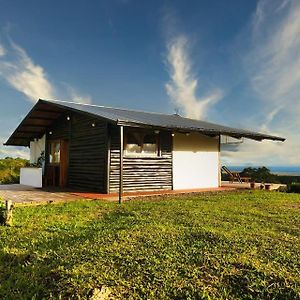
{"points": [[41, 116], [45, 113], [34, 125]]}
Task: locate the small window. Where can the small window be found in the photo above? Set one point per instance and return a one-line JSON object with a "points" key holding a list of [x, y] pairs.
{"points": [[150, 144], [141, 143], [54, 152], [134, 143]]}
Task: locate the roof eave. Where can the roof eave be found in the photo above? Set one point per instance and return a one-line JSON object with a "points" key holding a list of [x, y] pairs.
{"points": [[249, 135], [26, 143]]}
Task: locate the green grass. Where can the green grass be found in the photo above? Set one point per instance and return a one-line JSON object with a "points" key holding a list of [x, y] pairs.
{"points": [[239, 245]]}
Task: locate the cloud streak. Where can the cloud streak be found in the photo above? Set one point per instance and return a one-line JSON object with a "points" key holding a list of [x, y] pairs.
{"points": [[19, 70], [75, 96], [2, 51], [24, 75], [12, 151], [275, 61], [273, 67], [182, 88]]}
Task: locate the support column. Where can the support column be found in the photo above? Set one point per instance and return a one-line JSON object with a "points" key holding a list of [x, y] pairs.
{"points": [[219, 163], [121, 164]]}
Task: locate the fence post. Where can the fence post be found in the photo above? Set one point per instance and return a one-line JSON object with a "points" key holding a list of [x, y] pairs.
{"points": [[9, 213]]}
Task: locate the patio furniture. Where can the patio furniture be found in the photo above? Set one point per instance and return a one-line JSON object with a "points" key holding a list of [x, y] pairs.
{"points": [[235, 176]]}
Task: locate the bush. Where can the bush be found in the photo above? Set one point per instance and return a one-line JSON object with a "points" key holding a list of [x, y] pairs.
{"points": [[10, 169], [294, 187], [2, 212], [11, 179]]}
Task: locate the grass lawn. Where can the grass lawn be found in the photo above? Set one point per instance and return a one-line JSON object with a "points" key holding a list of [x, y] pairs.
{"points": [[237, 245]]}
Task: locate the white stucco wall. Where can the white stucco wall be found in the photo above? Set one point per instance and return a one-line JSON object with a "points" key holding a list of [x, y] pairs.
{"points": [[195, 161], [36, 148]]}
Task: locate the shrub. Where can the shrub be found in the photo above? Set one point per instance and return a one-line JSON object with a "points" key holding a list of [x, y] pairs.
{"points": [[10, 169], [294, 187], [2, 212], [11, 179]]}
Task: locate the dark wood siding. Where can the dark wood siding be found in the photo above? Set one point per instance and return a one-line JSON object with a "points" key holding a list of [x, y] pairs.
{"points": [[141, 173], [87, 150]]}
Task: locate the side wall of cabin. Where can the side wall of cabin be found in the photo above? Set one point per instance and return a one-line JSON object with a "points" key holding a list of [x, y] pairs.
{"points": [[184, 161], [140, 173], [196, 161]]}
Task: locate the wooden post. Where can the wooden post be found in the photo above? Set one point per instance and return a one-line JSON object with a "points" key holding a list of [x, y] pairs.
{"points": [[121, 164], [8, 213], [219, 162]]}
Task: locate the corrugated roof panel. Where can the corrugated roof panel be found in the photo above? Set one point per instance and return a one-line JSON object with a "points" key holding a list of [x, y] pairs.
{"points": [[173, 121], [136, 118]]}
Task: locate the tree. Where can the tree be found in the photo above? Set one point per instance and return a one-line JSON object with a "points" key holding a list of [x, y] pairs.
{"points": [[261, 174]]}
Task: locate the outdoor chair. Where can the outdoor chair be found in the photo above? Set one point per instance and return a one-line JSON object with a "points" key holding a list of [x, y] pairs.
{"points": [[235, 176]]}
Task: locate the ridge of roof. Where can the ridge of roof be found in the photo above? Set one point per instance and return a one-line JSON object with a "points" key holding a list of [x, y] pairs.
{"points": [[117, 108]]}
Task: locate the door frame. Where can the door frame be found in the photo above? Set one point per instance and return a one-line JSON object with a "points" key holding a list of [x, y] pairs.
{"points": [[63, 164]]}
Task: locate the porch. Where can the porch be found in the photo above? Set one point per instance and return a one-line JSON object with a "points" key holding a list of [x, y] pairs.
{"points": [[26, 195]]}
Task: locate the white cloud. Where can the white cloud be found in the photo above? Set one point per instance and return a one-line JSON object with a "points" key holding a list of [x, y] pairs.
{"points": [[182, 89], [14, 152], [25, 76], [275, 60], [75, 96], [273, 67], [21, 152], [267, 153], [2, 51]]}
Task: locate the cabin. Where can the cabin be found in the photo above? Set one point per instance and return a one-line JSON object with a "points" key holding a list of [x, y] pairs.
{"points": [[108, 150]]}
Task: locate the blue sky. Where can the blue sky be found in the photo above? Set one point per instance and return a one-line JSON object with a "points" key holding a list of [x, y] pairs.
{"points": [[234, 62]]}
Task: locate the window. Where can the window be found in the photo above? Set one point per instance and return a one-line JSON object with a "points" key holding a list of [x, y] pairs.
{"points": [[54, 152], [140, 143]]}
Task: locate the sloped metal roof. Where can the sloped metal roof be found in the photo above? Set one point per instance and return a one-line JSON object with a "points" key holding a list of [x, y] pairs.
{"points": [[45, 112]]}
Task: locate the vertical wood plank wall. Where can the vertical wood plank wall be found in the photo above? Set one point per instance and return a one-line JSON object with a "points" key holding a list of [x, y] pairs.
{"points": [[87, 169], [87, 150], [142, 173]]}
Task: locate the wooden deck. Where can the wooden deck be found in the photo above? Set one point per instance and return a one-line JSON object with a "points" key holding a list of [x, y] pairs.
{"points": [[246, 185], [131, 195], [21, 194]]}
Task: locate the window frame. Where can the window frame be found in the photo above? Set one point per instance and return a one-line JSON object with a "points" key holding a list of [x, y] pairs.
{"points": [[142, 133]]}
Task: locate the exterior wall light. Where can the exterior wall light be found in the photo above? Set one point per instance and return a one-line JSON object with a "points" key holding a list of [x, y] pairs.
{"points": [[68, 118], [173, 134], [93, 125], [50, 132]]}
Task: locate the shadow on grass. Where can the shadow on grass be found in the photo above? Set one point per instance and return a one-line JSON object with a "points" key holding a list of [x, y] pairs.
{"points": [[250, 283]]}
